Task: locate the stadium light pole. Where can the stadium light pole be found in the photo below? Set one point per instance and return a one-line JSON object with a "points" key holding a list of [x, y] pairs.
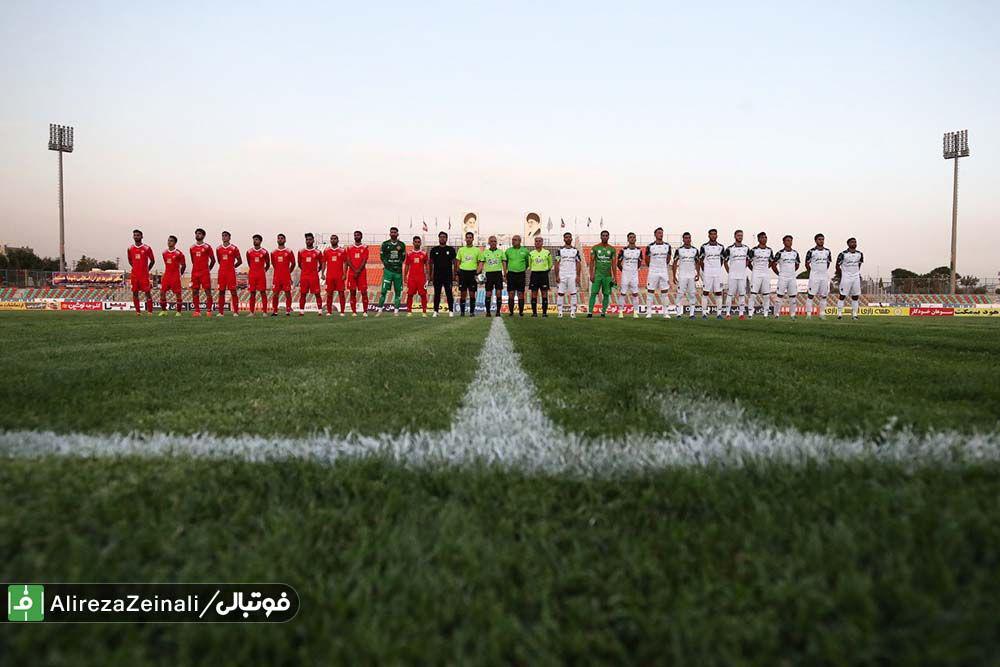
{"points": [[956, 145], [61, 141]]}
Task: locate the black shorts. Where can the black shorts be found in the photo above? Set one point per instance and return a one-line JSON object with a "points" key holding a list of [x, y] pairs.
{"points": [[467, 279], [539, 280], [441, 282], [494, 280], [515, 281]]}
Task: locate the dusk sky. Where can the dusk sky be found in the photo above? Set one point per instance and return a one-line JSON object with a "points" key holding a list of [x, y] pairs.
{"points": [[258, 117]]}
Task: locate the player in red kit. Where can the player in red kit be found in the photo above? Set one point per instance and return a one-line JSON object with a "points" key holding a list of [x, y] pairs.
{"points": [[357, 258], [334, 263], [258, 261], [202, 262], [229, 260], [415, 276], [141, 259], [310, 259], [283, 261], [174, 265]]}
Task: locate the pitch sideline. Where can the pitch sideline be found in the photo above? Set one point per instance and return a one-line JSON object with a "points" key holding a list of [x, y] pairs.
{"points": [[500, 423]]}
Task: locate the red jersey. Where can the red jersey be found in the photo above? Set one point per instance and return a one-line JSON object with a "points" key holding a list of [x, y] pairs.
{"points": [[417, 261], [201, 255], [227, 256], [335, 259], [357, 257], [139, 257], [258, 261], [283, 261], [309, 259], [173, 264]]}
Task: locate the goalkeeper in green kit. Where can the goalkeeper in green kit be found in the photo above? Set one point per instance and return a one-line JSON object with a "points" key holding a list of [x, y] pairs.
{"points": [[602, 273], [393, 253]]}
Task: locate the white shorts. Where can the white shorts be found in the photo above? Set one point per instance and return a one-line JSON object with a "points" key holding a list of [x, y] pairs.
{"points": [[819, 286], [738, 286], [850, 286], [787, 286], [685, 285], [760, 284], [630, 283], [566, 285], [657, 281], [712, 282]]}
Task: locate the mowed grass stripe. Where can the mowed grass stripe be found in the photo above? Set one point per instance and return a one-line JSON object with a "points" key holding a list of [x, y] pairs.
{"points": [[100, 373], [604, 377]]}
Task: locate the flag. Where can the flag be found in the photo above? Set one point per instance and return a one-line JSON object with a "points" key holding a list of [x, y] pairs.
{"points": [[550, 223], [424, 226], [411, 223], [588, 222], [562, 224], [602, 222], [449, 223]]}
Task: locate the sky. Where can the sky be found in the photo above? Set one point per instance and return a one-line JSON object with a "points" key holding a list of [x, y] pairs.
{"points": [[796, 118]]}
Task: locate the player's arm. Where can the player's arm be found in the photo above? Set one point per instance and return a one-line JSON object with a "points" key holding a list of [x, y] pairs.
{"points": [[725, 258], [211, 258], [673, 266], [267, 262], [618, 260], [796, 260], [239, 261], [699, 260], [152, 260], [579, 262], [593, 258], [406, 269], [861, 261], [183, 264], [503, 266], [809, 260], [773, 263], [383, 252], [293, 262], [840, 260]]}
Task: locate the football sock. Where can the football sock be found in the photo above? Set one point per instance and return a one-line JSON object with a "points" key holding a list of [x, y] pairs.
{"points": [[234, 300], [545, 305], [854, 307], [840, 307], [822, 305], [534, 305]]}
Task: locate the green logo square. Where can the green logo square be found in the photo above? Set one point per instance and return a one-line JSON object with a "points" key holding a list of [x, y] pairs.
{"points": [[25, 603]]}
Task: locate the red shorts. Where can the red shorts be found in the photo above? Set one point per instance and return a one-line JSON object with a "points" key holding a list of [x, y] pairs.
{"points": [[171, 284], [335, 283], [202, 280], [140, 283], [281, 284], [309, 283], [227, 281], [357, 283], [257, 282], [416, 288]]}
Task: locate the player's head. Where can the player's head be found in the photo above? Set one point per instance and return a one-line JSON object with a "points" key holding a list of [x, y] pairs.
{"points": [[658, 234], [738, 236], [334, 240], [762, 239], [469, 238], [492, 240], [631, 238], [309, 239], [226, 236], [686, 238], [442, 238], [820, 240], [605, 235], [787, 240], [393, 233], [713, 235], [539, 242], [281, 240], [416, 242], [568, 239], [515, 240], [199, 235], [358, 236], [852, 243], [137, 236], [171, 241], [257, 240]]}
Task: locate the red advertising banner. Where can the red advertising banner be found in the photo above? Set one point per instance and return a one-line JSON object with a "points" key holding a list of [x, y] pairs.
{"points": [[88, 279], [81, 305], [932, 312]]}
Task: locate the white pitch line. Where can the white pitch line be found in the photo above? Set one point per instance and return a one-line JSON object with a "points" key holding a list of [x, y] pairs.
{"points": [[500, 423]]}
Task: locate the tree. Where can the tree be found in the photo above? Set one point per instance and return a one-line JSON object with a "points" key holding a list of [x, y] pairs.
{"points": [[107, 265], [85, 263]]}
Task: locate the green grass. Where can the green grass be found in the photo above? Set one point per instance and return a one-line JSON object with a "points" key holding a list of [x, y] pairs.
{"points": [[845, 564], [105, 373], [606, 376]]}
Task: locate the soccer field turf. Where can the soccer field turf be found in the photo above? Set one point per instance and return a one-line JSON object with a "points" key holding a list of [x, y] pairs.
{"points": [[818, 561]]}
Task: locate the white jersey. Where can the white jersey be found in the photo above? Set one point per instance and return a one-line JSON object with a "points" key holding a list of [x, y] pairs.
{"points": [[760, 260], [568, 259], [849, 262], [659, 257], [736, 255], [686, 258], [630, 259], [819, 260], [710, 255], [788, 263]]}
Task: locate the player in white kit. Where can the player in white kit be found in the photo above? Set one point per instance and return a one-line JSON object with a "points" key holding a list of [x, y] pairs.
{"points": [[786, 265], [569, 261], [849, 277], [736, 258], [629, 259], [761, 259], [686, 273], [658, 254], [818, 261], [710, 258]]}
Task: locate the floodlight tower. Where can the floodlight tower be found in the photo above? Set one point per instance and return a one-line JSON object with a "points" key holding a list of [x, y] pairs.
{"points": [[956, 145], [61, 141]]}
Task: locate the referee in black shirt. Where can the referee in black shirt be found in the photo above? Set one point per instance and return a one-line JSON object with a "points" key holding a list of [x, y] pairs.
{"points": [[443, 269]]}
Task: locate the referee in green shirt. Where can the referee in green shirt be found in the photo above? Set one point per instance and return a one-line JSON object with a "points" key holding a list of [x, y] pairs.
{"points": [[515, 263], [491, 263], [468, 269]]}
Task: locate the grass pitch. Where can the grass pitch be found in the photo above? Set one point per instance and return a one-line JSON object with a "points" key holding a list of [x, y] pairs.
{"points": [[841, 563]]}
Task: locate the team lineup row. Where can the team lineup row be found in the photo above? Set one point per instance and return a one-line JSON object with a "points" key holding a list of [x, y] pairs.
{"points": [[735, 270]]}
